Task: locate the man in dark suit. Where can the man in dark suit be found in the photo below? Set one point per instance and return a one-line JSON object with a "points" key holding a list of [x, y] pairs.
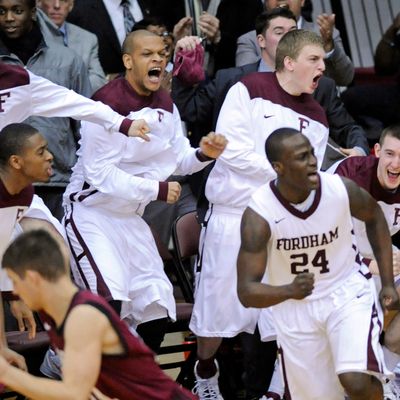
{"points": [[201, 105], [94, 16]]}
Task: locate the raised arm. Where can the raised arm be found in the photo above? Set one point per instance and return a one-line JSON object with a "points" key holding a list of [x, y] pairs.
{"points": [[251, 264]]}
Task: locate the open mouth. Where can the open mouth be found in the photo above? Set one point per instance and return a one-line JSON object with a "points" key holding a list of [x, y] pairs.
{"points": [[393, 175], [316, 80], [155, 74], [10, 29]]}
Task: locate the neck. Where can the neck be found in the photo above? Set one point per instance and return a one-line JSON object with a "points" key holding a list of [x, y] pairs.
{"points": [[292, 195], [13, 183], [57, 298], [287, 84], [268, 61]]}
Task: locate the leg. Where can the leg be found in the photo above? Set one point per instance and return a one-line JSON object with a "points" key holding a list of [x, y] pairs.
{"points": [[207, 347], [153, 332], [360, 386]]}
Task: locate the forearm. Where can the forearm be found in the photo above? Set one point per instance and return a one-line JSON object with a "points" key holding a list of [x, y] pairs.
{"points": [[36, 388], [380, 240]]}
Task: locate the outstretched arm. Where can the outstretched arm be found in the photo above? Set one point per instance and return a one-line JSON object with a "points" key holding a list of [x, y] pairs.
{"points": [[252, 260], [84, 335]]}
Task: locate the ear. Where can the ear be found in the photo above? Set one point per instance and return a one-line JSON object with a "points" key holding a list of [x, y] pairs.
{"points": [[127, 60], [288, 63], [278, 167], [33, 14], [377, 149], [261, 41], [15, 162], [71, 6], [32, 276]]}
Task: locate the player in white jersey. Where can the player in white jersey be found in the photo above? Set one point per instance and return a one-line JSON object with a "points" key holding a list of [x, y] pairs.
{"points": [[298, 256], [253, 108], [24, 159], [23, 94], [113, 248]]}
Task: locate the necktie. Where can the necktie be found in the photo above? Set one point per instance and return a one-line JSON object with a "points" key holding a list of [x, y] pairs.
{"points": [[129, 21]]}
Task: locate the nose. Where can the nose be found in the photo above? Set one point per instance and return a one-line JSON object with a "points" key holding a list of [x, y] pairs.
{"points": [[56, 4], [396, 162], [49, 156], [322, 65], [9, 16]]}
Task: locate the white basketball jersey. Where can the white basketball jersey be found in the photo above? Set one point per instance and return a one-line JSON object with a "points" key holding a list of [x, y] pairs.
{"points": [[319, 240]]}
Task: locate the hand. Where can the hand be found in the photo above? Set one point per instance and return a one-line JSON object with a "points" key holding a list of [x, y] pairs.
{"points": [[12, 357], [389, 299], [24, 316], [326, 25], [174, 192], [187, 43], [352, 152], [302, 285], [213, 144], [139, 128], [209, 26], [183, 28], [167, 81], [97, 395]]}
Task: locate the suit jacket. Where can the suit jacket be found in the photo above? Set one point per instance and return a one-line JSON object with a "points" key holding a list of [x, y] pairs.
{"points": [[92, 15], [83, 42], [202, 103], [339, 67]]}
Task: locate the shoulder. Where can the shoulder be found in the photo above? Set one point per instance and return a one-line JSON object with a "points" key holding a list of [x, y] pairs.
{"points": [[357, 167], [248, 37], [12, 76], [83, 33]]}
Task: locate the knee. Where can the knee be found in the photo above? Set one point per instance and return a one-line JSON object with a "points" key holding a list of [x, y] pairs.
{"points": [[356, 384], [392, 340]]}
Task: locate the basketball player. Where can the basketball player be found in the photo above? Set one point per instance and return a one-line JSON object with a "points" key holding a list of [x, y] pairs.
{"points": [[253, 108], [299, 256], [113, 249], [23, 94], [96, 346], [24, 159]]}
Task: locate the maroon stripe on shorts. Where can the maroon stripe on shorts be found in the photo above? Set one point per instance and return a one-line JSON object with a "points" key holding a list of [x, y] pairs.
{"points": [[372, 362], [101, 286], [287, 395]]}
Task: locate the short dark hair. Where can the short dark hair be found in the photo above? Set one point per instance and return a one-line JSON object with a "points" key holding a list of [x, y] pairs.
{"points": [[13, 139], [35, 250], [273, 144], [264, 19], [131, 38], [392, 130]]}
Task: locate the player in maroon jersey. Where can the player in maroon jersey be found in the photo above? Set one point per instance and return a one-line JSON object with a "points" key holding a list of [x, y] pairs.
{"points": [[96, 347]]}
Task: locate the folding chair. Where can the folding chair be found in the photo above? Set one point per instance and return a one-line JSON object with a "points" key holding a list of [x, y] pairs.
{"points": [[183, 314]]}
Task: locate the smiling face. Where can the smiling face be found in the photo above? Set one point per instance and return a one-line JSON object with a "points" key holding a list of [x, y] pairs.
{"points": [[145, 60], [269, 41], [35, 160], [388, 170], [16, 18], [56, 10]]}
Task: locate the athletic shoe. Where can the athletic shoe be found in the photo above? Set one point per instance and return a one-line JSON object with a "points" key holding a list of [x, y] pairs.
{"points": [[275, 397], [391, 391], [207, 389]]}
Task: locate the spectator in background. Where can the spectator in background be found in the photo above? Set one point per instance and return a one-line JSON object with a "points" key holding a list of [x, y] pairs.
{"points": [[339, 67], [220, 23], [84, 43], [22, 43], [110, 21], [377, 106]]}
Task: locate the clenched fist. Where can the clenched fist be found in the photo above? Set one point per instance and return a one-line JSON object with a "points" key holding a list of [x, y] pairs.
{"points": [[213, 144], [140, 129], [174, 192]]}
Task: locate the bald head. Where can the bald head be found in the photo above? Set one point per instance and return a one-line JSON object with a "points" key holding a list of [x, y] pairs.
{"points": [[135, 37]]}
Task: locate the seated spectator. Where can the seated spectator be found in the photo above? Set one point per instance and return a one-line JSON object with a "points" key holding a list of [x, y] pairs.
{"points": [[339, 67], [84, 43], [377, 106]]}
